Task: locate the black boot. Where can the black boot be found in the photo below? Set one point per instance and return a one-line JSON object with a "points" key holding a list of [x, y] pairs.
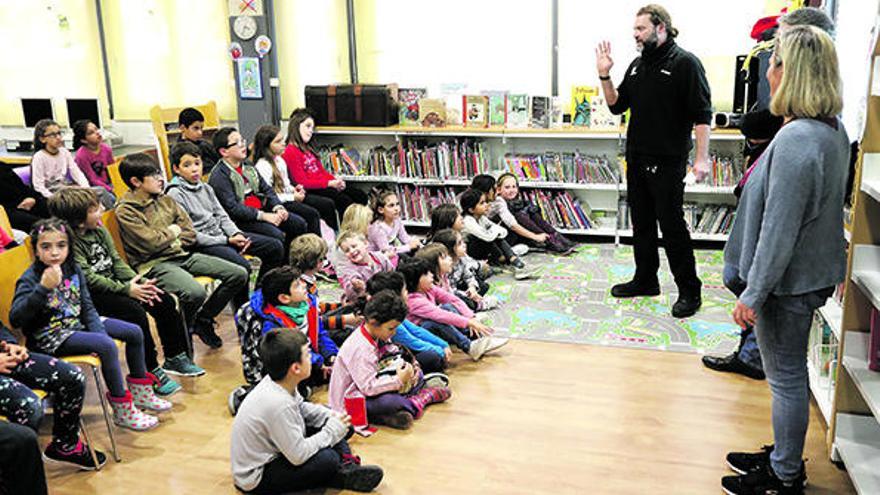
{"points": [[733, 364], [635, 288]]}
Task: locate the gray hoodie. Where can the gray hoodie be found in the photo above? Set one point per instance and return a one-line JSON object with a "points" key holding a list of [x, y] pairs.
{"points": [[210, 221]]}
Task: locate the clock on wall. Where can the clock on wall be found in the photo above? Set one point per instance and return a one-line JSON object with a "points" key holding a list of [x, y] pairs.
{"points": [[245, 27]]}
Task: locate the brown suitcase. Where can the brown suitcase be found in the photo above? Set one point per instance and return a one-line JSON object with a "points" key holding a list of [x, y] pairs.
{"points": [[353, 104]]}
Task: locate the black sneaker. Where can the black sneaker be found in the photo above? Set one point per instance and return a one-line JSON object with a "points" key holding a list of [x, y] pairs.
{"points": [[746, 462], [205, 331], [81, 456], [732, 364], [763, 482], [634, 288], [686, 306], [236, 397], [357, 478]]}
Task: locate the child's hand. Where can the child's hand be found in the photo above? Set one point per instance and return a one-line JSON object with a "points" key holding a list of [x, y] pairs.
{"points": [[542, 237], [145, 291], [237, 241], [326, 371], [272, 218], [345, 419], [390, 252], [405, 373], [7, 363], [282, 213], [27, 204], [415, 244], [18, 352], [175, 229], [299, 193], [479, 329], [352, 320], [51, 277], [474, 295], [358, 285], [447, 353]]}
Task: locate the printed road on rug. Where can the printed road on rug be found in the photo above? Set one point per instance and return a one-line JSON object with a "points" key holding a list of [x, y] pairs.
{"points": [[571, 302]]}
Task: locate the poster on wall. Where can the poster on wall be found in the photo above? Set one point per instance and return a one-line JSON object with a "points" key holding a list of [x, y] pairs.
{"points": [[250, 84]]}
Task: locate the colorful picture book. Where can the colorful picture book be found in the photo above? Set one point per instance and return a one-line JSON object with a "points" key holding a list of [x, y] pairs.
{"points": [[432, 112], [540, 112], [475, 111], [561, 167], [518, 111], [601, 117], [497, 107], [409, 105], [579, 108]]}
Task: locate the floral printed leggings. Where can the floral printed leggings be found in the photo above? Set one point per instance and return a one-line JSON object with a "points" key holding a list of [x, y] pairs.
{"points": [[64, 381]]}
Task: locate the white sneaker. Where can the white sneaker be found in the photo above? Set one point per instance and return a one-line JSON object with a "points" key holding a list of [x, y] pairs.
{"points": [[497, 343], [489, 302], [520, 250], [525, 272], [479, 347]]}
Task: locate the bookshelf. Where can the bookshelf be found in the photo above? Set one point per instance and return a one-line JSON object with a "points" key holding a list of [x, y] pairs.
{"points": [[599, 200], [854, 431]]}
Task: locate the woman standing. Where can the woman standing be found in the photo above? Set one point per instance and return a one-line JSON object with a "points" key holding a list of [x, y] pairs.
{"points": [[787, 245]]}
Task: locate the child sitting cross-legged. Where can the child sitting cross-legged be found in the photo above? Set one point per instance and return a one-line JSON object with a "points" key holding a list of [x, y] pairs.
{"points": [[444, 314], [443, 264], [466, 280], [54, 309], [356, 264], [281, 302], [394, 390], [118, 292], [307, 252], [432, 352], [280, 443], [386, 232]]}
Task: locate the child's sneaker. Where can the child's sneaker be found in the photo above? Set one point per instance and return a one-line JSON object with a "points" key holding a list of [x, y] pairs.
{"points": [[357, 478], [488, 303], [479, 347], [496, 343], [182, 365], [164, 385], [523, 272], [143, 396], [236, 397], [401, 420], [520, 249], [80, 456], [764, 482], [746, 462], [126, 415], [436, 379], [204, 329]]}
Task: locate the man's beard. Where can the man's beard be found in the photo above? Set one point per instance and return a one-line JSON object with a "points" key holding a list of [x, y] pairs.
{"points": [[649, 45]]}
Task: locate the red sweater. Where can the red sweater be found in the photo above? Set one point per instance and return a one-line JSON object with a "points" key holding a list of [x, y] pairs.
{"points": [[305, 168]]}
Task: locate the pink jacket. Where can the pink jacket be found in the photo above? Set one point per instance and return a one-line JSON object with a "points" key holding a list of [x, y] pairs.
{"points": [[426, 306], [354, 371], [381, 236], [50, 172], [347, 272]]}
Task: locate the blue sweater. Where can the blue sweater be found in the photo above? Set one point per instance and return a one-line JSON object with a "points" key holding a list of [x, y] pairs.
{"points": [[417, 339]]}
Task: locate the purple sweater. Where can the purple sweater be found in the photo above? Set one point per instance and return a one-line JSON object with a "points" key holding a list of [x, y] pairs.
{"points": [[426, 306], [347, 272], [94, 165], [381, 236]]}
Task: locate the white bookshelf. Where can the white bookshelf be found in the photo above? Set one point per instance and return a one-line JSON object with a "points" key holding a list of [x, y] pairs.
{"points": [[832, 313], [858, 443], [822, 390]]}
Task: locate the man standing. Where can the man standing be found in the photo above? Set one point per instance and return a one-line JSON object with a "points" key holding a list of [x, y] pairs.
{"points": [[667, 94]]}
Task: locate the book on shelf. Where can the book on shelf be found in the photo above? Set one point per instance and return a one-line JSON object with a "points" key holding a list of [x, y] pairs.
{"points": [[497, 107], [432, 112], [341, 160], [452, 159], [555, 112], [451, 93], [560, 167], [726, 171], [475, 110], [518, 111], [601, 117], [539, 116], [561, 209], [701, 218], [418, 201], [409, 105], [580, 104]]}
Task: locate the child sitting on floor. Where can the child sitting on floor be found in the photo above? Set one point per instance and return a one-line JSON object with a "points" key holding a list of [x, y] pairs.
{"points": [[486, 239], [282, 302], [54, 309], [468, 277], [386, 233], [282, 444], [394, 395], [443, 314], [307, 253], [432, 352], [442, 264], [356, 265]]}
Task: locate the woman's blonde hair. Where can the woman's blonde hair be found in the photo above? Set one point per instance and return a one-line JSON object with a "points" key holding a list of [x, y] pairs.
{"points": [[357, 218], [810, 86]]}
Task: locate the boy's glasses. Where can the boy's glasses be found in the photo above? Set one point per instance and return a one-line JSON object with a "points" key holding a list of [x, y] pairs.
{"points": [[240, 143]]}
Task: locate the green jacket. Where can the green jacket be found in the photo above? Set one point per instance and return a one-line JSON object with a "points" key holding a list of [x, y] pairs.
{"points": [[104, 269], [144, 223]]}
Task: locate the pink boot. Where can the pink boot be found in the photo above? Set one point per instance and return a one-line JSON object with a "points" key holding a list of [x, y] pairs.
{"points": [[126, 415], [143, 395], [429, 395]]}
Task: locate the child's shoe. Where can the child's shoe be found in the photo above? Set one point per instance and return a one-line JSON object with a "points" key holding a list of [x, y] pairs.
{"points": [[204, 329], [479, 347], [427, 396], [436, 379], [236, 397], [496, 343], [523, 272], [143, 395], [357, 478], [520, 249], [126, 415], [80, 456], [182, 365], [164, 385], [401, 420], [488, 303]]}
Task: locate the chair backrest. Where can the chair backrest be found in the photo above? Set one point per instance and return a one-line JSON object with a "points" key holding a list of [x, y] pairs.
{"points": [[119, 187], [13, 263], [5, 224], [111, 223], [165, 124]]}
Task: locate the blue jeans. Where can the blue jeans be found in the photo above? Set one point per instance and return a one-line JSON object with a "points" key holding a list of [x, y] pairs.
{"points": [[783, 329], [748, 351], [452, 335]]}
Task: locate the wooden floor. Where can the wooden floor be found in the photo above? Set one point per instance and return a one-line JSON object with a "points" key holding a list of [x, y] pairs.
{"points": [[536, 418]]}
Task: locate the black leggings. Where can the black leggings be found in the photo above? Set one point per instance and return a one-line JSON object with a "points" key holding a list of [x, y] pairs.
{"points": [[342, 199], [497, 251], [21, 463]]}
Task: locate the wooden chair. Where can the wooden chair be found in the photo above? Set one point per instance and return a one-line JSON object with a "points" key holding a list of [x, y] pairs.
{"points": [[5, 224], [165, 125], [41, 394], [119, 187]]}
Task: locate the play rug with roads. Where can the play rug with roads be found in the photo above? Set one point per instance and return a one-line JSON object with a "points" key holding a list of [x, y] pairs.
{"points": [[571, 302]]}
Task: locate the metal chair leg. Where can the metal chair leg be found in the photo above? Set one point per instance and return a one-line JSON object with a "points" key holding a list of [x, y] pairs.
{"points": [[107, 419], [85, 434]]}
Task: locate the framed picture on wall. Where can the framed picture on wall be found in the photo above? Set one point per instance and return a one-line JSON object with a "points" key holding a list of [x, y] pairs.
{"points": [[250, 84]]}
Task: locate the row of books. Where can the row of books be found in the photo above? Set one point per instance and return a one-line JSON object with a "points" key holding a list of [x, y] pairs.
{"points": [[726, 171], [503, 109], [446, 160], [562, 167], [700, 218]]}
